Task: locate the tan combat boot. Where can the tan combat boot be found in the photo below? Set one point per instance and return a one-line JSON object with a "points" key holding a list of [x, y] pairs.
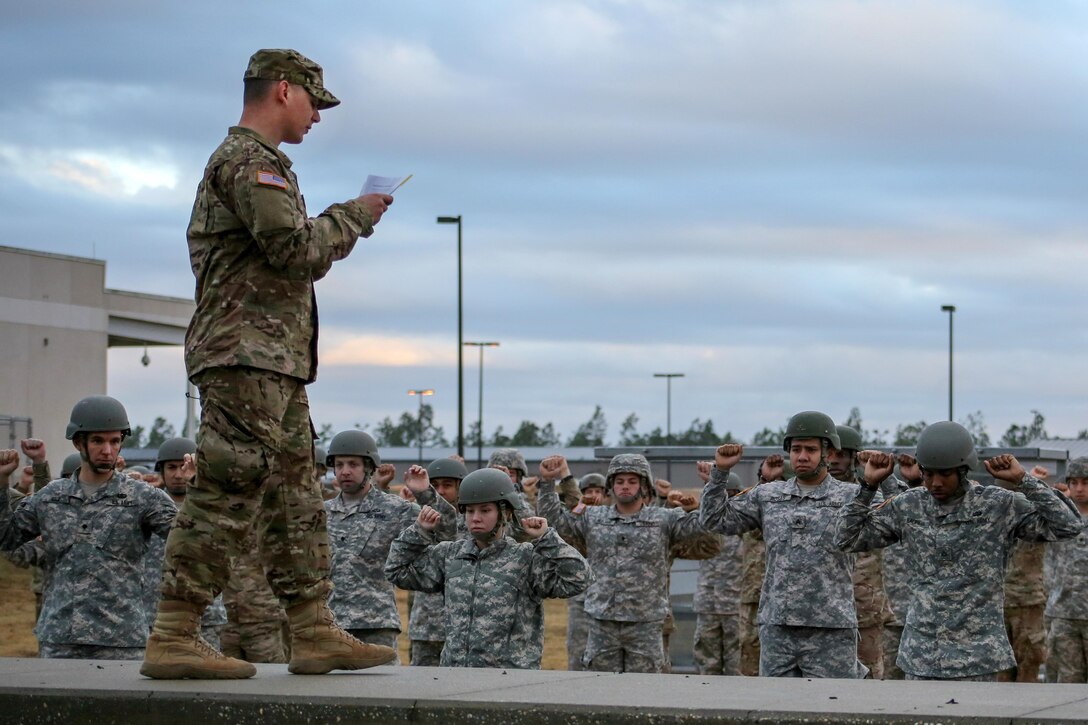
{"points": [[318, 645], [175, 650]]}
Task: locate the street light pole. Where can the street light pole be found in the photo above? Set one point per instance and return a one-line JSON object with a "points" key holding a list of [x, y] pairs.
{"points": [[480, 413], [460, 341], [668, 415], [419, 424], [951, 310]]}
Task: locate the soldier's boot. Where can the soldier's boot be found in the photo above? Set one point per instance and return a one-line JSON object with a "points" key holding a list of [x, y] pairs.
{"points": [[175, 650], [318, 645]]}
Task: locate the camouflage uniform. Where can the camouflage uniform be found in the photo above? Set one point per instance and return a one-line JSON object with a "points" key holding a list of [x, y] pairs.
{"points": [[807, 622], [1067, 609], [628, 599], [493, 596], [1025, 598], [716, 605], [426, 629], [95, 548], [254, 630], [363, 599], [250, 349], [214, 617], [754, 564], [954, 626], [897, 589]]}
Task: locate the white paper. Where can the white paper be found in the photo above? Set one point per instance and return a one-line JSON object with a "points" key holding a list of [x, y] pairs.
{"points": [[383, 184]]}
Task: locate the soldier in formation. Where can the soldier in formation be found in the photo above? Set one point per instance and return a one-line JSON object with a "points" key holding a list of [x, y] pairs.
{"points": [[807, 621], [94, 530], [363, 520], [493, 586], [958, 538], [628, 544], [1067, 604], [716, 647]]}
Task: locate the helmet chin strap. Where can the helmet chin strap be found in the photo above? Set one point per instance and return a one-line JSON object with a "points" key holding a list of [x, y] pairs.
{"points": [[96, 467], [820, 468], [487, 537]]}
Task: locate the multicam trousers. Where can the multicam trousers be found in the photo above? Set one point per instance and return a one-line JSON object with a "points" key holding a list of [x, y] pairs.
{"points": [[254, 468]]}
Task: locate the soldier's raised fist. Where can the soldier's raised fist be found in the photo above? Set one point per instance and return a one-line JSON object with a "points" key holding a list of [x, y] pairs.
{"points": [[9, 461], [727, 456], [534, 526], [385, 475], [34, 449], [878, 466], [554, 468], [416, 479], [428, 518], [703, 469], [1006, 468]]}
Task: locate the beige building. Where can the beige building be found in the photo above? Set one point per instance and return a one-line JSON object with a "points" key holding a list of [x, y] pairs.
{"points": [[57, 321]]}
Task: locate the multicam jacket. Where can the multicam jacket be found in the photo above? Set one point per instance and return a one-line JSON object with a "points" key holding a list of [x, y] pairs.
{"points": [[256, 255]]}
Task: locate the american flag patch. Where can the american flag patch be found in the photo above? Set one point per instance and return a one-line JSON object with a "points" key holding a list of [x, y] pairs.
{"points": [[269, 179]]}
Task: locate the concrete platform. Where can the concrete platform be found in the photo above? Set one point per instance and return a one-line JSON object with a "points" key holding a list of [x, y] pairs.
{"points": [[103, 693]]}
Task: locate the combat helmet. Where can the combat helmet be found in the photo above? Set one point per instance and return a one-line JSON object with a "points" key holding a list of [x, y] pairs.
{"points": [[631, 463], [448, 468], [488, 485], [849, 439], [589, 480], [71, 462], [1078, 468], [173, 449], [320, 456], [733, 483], [353, 443], [510, 458], [944, 446], [811, 424], [97, 413]]}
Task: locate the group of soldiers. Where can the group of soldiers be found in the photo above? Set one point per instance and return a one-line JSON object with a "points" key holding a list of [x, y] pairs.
{"points": [[841, 569]]}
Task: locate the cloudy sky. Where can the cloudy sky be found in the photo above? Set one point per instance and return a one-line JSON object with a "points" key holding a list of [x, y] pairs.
{"points": [[774, 198]]}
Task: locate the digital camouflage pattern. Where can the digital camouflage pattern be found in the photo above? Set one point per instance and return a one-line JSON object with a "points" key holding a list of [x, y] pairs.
{"points": [[360, 535], [254, 469], [508, 458], [1067, 609], [630, 555], [717, 589], [808, 582], [624, 647], [95, 548], [493, 596], [955, 624], [256, 255], [426, 653], [716, 648], [792, 651], [426, 621], [577, 632], [214, 616]]}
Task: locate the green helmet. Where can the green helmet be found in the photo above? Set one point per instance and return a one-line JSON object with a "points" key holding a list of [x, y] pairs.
{"points": [[71, 462], [589, 480], [733, 484], [448, 468], [849, 438], [174, 450], [320, 456], [946, 445], [1078, 468], [811, 424], [487, 485], [631, 463], [353, 443], [508, 458], [97, 413]]}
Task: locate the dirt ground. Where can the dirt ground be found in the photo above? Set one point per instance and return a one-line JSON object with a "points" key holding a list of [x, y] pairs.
{"points": [[17, 620]]}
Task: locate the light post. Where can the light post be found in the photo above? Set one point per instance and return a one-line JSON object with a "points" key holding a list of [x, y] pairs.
{"points": [[480, 413], [460, 346], [951, 310], [668, 416], [419, 434]]}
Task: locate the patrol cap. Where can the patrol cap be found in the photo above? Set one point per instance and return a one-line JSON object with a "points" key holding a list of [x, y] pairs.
{"points": [[275, 64], [1078, 468], [508, 458]]}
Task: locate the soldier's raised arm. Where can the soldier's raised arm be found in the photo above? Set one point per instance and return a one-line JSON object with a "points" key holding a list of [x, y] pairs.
{"points": [[859, 526], [720, 513], [1042, 514], [569, 526], [415, 560]]}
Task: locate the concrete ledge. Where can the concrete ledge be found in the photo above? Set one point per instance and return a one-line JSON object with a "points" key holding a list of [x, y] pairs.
{"points": [[104, 693]]}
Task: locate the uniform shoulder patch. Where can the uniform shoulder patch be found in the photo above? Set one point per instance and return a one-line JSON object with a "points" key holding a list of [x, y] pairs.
{"points": [[741, 493], [267, 178]]}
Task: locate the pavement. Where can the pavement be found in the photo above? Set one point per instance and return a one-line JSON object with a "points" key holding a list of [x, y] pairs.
{"points": [[108, 692]]}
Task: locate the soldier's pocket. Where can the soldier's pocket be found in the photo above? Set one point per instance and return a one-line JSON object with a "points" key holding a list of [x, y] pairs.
{"points": [[117, 531], [230, 455]]}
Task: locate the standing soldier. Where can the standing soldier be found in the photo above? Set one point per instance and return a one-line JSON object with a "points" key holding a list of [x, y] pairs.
{"points": [[807, 624], [426, 625], [1025, 600], [592, 488], [870, 601], [363, 521], [494, 587], [251, 349], [717, 599], [1067, 605], [94, 528], [957, 538], [628, 544]]}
